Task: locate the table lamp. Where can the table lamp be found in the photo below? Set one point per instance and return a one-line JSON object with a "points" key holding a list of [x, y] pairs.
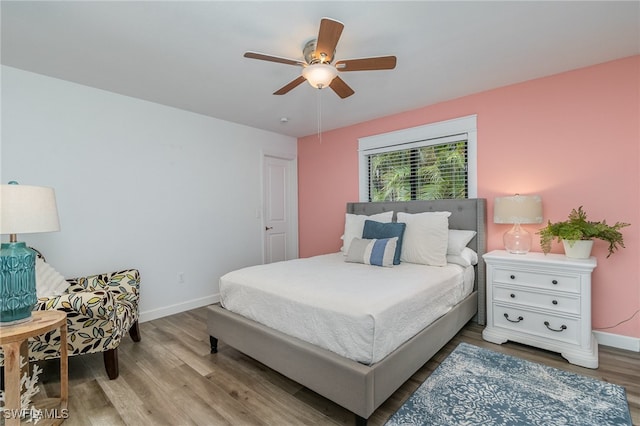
{"points": [[24, 209], [517, 209]]}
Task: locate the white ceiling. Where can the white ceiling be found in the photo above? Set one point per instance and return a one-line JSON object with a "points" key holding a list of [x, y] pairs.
{"points": [[189, 54]]}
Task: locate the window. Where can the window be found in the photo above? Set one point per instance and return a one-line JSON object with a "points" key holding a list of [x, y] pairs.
{"points": [[422, 163]]}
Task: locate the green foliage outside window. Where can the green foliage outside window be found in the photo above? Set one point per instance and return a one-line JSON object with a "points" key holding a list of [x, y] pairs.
{"points": [[426, 173]]}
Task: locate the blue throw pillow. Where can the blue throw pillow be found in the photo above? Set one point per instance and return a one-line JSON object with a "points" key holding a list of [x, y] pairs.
{"points": [[378, 230]]}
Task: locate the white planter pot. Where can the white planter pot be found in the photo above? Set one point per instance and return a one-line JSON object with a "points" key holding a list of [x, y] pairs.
{"points": [[577, 249]]}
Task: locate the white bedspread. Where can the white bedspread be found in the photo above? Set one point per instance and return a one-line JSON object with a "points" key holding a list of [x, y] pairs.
{"points": [[358, 311]]}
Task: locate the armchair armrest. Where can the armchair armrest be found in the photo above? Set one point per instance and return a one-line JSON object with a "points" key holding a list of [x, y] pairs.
{"points": [[122, 284], [98, 304]]}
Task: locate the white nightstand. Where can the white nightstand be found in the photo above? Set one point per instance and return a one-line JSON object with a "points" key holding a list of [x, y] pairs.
{"points": [[543, 301]]}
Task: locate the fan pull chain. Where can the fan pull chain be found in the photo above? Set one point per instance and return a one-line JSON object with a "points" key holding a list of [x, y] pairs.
{"points": [[319, 114]]}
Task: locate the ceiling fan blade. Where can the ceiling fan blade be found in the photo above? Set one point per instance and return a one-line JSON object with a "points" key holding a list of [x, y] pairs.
{"points": [[341, 88], [271, 58], [289, 86], [328, 36], [367, 64]]}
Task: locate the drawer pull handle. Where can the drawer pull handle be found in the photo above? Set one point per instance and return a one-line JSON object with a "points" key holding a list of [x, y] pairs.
{"points": [[562, 327], [554, 282], [510, 320], [513, 296], [555, 302], [513, 277]]}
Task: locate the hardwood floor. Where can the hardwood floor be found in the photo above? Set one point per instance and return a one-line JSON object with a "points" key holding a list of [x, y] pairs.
{"points": [[170, 378]]}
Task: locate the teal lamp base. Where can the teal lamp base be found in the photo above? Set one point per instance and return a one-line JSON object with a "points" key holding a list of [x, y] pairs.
{"points": [[17, 283]]}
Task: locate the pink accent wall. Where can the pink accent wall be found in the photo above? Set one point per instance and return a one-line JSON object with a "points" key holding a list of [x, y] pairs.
{"points": [[573, 138]]}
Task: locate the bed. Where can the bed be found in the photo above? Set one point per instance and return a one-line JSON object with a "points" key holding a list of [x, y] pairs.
{"points": [[362, 385]]}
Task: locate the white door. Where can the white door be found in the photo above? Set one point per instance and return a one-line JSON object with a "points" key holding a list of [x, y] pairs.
{"points": [[277, 208]]}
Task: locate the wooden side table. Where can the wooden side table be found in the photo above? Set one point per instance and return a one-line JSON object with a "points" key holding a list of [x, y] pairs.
{"points": [[11, 337]]}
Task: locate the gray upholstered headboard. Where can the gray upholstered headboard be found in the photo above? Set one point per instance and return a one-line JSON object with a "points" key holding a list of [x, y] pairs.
{"points": [[465, 214]]}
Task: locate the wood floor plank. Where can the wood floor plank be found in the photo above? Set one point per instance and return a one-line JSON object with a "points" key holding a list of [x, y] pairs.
{"points": [[88, 404], [257, 385], [170, 378]]}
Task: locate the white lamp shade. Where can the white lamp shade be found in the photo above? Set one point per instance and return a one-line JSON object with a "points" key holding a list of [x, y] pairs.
{"points": [[319, 75], [27, 209], [518, 209]]}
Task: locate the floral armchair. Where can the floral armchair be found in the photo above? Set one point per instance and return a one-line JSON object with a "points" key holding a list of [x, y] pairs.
{"points": [[100, 309]]}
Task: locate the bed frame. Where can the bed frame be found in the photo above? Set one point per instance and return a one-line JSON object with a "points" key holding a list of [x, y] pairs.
{"points": [[357, 387]]}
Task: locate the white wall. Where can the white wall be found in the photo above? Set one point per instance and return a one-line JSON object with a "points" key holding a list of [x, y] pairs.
{"points": [[138, 185]]}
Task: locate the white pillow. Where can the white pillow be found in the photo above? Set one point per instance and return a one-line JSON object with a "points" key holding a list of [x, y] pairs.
{"points": [[354, 225], [466, 258], [458, 239], [49, 282], [426, 238]]}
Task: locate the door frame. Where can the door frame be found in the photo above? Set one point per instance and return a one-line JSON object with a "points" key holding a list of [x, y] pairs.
{"points": [[292, 197]]}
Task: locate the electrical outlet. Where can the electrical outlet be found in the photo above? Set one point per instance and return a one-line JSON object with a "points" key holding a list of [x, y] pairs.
{"points": [[180, 277]]}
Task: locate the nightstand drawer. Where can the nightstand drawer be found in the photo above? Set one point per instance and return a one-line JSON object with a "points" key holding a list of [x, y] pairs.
{"points": [[550, 301], [570, 283], [566, 330]]}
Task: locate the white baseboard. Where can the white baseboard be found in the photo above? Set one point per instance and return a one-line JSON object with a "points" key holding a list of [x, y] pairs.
{"points": [[179, 307], [618, 341]]}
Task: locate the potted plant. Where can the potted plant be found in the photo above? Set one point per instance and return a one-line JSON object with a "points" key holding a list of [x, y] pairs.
{"points": [[578, 231]]}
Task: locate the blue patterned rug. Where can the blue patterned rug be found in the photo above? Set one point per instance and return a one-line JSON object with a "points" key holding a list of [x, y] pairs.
{"points": [[476, 386]]}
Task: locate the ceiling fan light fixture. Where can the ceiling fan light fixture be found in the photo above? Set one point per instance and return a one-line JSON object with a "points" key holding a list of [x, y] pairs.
{"points": [[318, 58], [319, 75]]}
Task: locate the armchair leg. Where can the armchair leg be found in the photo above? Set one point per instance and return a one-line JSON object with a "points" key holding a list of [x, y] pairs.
{"points": [[111, 363], [134, 332]]}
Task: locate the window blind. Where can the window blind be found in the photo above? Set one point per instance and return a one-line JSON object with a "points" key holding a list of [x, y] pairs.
{"points": [[421, 170]]}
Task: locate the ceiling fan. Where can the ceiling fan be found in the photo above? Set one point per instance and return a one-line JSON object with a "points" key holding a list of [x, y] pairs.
{"points": [[317, 68]]}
